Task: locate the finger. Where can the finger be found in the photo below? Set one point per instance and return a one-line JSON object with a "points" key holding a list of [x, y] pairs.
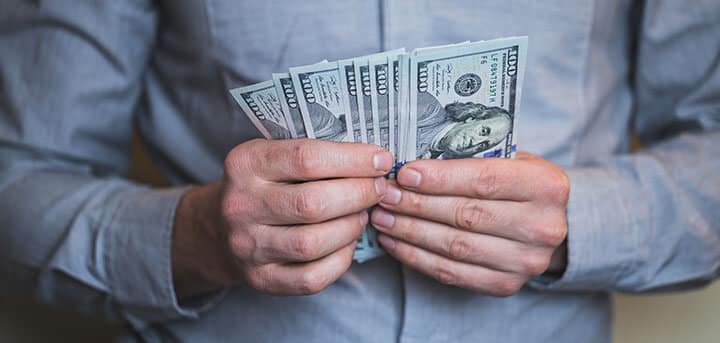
{"points": [[303, 278], [311, 159], [484, 178], [308, 242], [506, 219], [317, 201], [449, 272], [488, 251]]}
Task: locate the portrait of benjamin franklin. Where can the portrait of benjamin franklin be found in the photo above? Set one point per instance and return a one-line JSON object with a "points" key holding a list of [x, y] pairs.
{"points": [[326, 125], [459, 129]]}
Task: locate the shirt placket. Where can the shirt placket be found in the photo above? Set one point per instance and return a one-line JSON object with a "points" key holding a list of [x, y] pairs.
{"points": [[401, 24]]}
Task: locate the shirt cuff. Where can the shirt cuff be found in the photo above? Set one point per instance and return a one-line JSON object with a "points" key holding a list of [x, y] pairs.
{"points": [[139, 261], [604, 233]]}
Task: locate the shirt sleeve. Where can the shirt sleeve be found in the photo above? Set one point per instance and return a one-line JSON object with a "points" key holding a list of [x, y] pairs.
{"points": [[75, 233], [650, 221]]}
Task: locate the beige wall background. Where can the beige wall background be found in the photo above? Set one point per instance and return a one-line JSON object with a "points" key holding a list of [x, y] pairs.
{"points": [[667, 318]]}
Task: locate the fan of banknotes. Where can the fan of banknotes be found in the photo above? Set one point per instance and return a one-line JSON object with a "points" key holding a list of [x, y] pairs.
{"points": [[443, 102]]}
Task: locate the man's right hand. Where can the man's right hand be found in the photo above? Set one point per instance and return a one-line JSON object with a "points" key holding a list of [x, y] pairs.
{"points": [[284, 219]]}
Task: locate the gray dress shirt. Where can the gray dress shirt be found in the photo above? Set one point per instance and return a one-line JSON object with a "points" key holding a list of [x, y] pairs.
{"points": [[75, 76]]}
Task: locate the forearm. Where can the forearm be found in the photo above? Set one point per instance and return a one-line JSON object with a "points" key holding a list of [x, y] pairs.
{"points": [[98, 245], [646, 222]]}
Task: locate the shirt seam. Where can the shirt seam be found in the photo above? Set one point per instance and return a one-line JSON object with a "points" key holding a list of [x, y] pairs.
{"points": [[585, 72]]}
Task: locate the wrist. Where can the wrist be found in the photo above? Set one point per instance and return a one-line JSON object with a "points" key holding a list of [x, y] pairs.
{"points": [[201, 261]]}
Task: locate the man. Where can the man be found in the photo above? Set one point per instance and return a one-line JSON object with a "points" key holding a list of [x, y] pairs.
{"points": [[267, 218]]}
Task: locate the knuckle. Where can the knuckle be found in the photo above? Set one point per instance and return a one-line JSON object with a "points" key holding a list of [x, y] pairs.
{"points": [[305, 161], [445, 274], [506, 287], [233, 206], [407, 254], [471, 215], [559, 189], [236, 207], [433, 176], [309, 206], [411, 229], [241, 245], [241, 157], [312, 283], [305, 246], [487, 184], [535, 265], [550, 235], [459, 248], [230, 207], [257, 278], [232, 159], [414, 201]]}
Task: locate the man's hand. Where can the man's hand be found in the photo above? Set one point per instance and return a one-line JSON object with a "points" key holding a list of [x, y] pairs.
{"points": [[284, 219], [483, 224]]}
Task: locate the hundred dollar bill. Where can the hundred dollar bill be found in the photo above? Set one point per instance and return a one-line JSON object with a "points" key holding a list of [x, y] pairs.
{"points": [[368, 247], [403, 108], [379, 74], [289, 104], [393, 107], [321, 84], [379, 98], [348, 86], [261, 105], [463, 99], [370, 125], [364, 101], [321, 102]]}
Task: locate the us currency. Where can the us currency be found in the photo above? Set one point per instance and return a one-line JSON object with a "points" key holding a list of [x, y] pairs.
{"points": [[380, 100], [403, 108], [348, 87], [289, 104], [364, 101], [463, 99], [321, 101], [367, 109], [261, 105], [367, 246], [393, 107], [376, 77], [322, 106], [453, 101]]}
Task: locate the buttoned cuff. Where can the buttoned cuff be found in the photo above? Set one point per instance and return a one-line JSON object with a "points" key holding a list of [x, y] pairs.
{"points": [[604, 233], [139, 260]]}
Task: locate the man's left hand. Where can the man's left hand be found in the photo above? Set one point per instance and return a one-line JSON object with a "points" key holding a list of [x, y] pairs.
{"points": [[487, 225]]}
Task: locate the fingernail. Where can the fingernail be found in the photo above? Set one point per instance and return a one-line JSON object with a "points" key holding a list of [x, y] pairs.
{"points": [[392, 195], [383, 218], [382, 161], [380, 186], [409, 177], [387, 242], [363, 218]]}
